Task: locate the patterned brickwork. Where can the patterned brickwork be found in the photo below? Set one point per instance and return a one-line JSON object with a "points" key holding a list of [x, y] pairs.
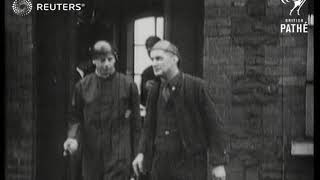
{"points": [[259, 78]]}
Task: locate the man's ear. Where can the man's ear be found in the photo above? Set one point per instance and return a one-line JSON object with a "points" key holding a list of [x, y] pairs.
{"points": [[94, 62], [176, 59]]}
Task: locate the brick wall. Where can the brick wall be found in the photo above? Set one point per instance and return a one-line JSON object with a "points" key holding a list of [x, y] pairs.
{"points": [[259, 79], [19, 98]]}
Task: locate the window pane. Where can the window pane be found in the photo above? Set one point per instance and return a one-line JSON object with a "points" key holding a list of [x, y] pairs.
{"points": [[310, 55], [309, 110], [160, 27], [141, 59], [143, 28], [137, 80]]}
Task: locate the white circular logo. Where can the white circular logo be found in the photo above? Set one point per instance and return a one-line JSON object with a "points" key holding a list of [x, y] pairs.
{"points": [[22, 7]]}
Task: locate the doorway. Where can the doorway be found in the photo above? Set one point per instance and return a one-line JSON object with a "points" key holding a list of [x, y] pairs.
{"points": [[62, 41]]}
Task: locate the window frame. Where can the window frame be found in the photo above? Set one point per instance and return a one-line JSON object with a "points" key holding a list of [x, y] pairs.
{"points": [[130, 71], [309, 126]]}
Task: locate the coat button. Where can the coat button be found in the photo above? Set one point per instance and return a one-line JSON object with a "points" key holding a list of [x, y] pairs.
{"points": [[166, 132]]}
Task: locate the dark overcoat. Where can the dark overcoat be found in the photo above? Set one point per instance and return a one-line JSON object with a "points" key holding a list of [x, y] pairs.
{"points": [[198, 123], [105, 125]]}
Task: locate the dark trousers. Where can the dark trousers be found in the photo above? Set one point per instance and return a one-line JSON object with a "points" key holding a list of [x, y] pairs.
{"points": [[179, 166]]}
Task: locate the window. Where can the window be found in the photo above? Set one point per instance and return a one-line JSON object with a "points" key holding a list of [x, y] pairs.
{"points": [[143, 28], [306, 147], [310, 79]]}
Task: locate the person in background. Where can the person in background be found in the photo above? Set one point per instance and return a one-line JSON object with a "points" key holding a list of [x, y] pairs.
{"points": [[147, 77], [83, 69]]}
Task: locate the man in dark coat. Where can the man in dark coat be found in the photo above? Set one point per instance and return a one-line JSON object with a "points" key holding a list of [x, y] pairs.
{"points": [[104, 119], [181, 125]]}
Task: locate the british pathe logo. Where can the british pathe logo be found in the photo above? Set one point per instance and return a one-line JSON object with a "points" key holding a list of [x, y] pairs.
{"points": [[297, 4], [22, 7], [297, 24]]}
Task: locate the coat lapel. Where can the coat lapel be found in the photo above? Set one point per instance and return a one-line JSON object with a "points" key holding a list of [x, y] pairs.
{"points": [[154, 93], [176, 92], [152, 106]]}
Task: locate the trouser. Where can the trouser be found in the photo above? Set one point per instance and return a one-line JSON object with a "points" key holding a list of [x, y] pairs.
{"points": [[179, 166]]}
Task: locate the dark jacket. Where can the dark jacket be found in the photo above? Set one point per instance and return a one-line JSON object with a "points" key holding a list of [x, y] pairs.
{"points": [[146, 75], [199, 125], [100, 124]]}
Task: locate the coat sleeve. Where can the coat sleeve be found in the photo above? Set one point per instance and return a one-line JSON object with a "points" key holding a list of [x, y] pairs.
{"points": [[135, 116], [143, 89], [147, 133], [75, 115], [214, 128]]}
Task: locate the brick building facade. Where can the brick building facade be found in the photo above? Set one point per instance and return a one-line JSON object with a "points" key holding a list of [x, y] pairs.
{"points": [[19, 96], [260, 75]]}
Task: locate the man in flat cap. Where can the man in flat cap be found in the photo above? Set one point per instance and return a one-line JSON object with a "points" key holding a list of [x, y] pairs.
{"points": [[104, 119], [182, 130]]}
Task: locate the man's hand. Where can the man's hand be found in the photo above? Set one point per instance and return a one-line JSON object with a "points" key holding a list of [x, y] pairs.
{"points": [[70, 145], [218, 173], [137, 164], [149, 84]]}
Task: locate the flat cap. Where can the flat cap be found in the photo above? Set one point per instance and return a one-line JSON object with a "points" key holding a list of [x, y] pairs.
{"points": [[166, 46]]}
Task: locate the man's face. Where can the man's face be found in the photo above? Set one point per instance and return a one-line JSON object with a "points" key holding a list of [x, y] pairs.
{"points": [[105, 65], [162, 62]]}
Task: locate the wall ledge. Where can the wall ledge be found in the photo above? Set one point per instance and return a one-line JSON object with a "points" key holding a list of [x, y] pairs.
{"points": [[302, 148]]}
